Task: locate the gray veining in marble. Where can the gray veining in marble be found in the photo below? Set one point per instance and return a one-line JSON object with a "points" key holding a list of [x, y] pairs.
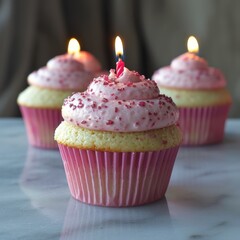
{"points": [[202, 201]]}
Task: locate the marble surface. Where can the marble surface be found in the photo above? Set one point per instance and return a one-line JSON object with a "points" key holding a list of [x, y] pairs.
{"points": [[202, 201]]}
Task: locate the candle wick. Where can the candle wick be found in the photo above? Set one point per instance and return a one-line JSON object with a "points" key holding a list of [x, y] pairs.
{"points": [[119, 56]]}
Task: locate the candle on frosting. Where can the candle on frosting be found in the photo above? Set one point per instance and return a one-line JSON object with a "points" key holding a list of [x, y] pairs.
{"points": [[75, 54], [190, 59], [119, 53]]}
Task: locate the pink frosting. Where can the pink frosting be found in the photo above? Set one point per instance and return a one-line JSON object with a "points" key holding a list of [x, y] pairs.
{"points": [[129, 103], [189, 71], [66, 72]]}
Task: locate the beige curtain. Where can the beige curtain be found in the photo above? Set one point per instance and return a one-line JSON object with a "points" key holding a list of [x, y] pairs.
{"points": [[153, 31]]}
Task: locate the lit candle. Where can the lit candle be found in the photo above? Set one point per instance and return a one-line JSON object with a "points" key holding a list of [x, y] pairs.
{"points": [[190, 59], [192, 45], [91, 64], [119, 53], [74, 47]]}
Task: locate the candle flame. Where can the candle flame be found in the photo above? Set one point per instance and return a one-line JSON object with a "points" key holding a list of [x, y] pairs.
{"points": [[192, 45], [73, 46], [118, 46]]}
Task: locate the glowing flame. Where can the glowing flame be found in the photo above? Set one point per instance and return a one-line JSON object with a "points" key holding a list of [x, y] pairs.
{"points": [[192, 45], [118, 46], [73, 46]]}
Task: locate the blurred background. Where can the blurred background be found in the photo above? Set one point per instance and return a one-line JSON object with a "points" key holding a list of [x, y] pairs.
{"points": [[153, 33]]}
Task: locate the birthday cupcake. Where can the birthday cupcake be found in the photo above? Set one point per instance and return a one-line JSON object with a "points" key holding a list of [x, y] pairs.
{"points": [[118, 141], [41, 102], [201, 95]]}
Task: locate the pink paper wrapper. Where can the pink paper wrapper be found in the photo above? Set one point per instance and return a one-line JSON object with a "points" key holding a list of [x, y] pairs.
{"points": [[40, 125], [203, 125], [117, 179]]}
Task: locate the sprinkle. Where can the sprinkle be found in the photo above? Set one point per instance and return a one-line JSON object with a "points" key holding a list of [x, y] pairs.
{"points": [[105, 100], [142, 104], [94, 105], [109, 122]]}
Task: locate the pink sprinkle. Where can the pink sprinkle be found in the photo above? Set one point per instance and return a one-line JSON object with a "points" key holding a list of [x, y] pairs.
{"points": [[142, 104], [105, 100], [109, 122], [128, 106], [116, 109], [83, 122], [94, 105]]}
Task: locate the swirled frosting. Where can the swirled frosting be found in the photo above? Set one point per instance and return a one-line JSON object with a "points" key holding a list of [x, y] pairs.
{"points": [[189, 71], [67, 72], [129, 103]]}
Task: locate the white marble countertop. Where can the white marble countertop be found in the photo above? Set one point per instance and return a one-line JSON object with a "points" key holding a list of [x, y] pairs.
{"points": [[202, 201]]}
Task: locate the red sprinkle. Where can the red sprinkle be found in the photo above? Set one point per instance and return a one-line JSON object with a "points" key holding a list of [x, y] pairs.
{"points": [[142, 104], [105, 100], [109, 122]]}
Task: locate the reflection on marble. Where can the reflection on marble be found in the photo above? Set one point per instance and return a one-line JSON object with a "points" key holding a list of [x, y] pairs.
{"points": [[40, 180], [202, 201], [83, 221]]}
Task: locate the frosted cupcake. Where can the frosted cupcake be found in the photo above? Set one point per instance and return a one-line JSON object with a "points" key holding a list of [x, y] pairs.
{"points": [[201, 95], [118, 141], [41, 102]]}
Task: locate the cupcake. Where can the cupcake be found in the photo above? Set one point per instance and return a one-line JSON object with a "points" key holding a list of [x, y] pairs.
{"points": [[200, 93], [41, 102], [118, 141]]}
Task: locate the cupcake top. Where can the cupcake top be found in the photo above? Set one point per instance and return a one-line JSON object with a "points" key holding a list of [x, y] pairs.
{"points": [[66, 72], [129, 103], [189, 71]]}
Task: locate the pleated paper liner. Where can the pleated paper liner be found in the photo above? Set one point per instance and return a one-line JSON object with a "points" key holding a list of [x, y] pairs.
{"points": [[40, 125], [203, 125], [117, 179]]}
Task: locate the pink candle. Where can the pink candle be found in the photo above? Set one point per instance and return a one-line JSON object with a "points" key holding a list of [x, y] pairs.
{"points": [[119, 67], [119, 52]]}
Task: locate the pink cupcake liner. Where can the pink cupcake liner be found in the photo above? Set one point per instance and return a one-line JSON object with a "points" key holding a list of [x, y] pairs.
{"points": [[40, 125], [203, 125], [117, 179]]}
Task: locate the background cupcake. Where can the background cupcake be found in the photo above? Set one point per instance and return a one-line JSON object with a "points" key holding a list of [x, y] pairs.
{"points": [[201, 95], [118, 141], [41, 102]]}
